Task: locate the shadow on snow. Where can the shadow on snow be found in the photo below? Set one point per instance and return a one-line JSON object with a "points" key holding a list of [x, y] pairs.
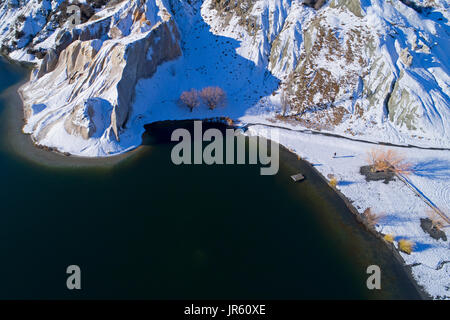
{"points": [[432, 169]]}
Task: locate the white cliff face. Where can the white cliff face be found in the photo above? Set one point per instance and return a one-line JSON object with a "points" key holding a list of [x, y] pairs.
{"points": [[373, 69], [80, 99], [20, 22], [377, 69]]}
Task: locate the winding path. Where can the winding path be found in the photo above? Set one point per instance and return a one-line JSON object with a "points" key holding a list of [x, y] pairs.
{"points": [[328, 134]]}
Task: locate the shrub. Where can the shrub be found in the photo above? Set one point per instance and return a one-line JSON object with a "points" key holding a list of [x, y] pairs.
{"points": [[229, 121], [19, 34], [21, 18], [389, 238], [406, 246], [213, 96], [190, 99], [371, 218], [388, 160], [333, 182]]}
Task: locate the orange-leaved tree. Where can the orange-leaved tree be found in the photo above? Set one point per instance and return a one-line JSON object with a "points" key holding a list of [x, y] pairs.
{"points": [[388, 160], [371, 217]]}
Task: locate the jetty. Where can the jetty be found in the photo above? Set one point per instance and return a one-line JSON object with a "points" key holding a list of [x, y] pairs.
{"points": [[298, 177]]}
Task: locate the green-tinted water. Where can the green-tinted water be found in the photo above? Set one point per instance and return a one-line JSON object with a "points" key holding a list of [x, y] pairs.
{"points": [[142, 227]]}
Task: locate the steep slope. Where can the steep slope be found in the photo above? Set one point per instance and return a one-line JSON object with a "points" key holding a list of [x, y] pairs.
{"points": [[369, 68], [79, 98], [373, 69], [29, 27]]}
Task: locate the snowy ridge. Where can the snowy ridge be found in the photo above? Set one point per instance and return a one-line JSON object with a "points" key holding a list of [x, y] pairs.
{"points": [[95, 73], [373, 69]]}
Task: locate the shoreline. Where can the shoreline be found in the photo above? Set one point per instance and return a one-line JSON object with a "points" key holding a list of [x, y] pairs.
{"points": [[357, 216], [400, 208], [22, 64], [32, 152], [23, 146]]}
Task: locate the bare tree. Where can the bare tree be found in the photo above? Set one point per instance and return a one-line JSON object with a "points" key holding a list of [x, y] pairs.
{"points": [[213, 97], [371, 218], [190, 99]]}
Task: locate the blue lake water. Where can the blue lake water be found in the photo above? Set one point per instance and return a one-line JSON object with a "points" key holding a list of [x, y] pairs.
{"points": [[141, 227]]}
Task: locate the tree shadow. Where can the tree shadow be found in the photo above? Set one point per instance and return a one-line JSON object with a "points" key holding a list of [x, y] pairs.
{"points": [[393, 220], [432, 169], [345, 183], [208, 60], [339, 157], [420, 247]]}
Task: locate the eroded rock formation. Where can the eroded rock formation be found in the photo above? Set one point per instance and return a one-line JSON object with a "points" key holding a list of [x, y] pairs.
{"points": [[93, 70]]}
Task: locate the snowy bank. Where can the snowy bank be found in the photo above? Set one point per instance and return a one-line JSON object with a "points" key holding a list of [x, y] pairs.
{"points": [[402, 209]]}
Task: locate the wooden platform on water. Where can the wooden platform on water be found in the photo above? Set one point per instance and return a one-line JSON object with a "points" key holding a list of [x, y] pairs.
{"points": [[298, 177]]}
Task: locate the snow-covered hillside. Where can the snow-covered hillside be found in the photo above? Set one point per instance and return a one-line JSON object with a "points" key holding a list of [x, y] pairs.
{"points": [[79, 97], [378, 69], [373, 69]]}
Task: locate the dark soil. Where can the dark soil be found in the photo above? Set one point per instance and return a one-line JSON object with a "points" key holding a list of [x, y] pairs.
{"points": [[434, 232], [377, 175]]}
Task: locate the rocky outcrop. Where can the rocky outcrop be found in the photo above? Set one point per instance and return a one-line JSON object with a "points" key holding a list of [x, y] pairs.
{"points": [[375, 63], [162, 43], [366, 68], [80, 120], [28, 28], [91, 74]]}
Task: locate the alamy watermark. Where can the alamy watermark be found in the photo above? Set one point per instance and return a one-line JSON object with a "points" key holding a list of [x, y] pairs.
{"points": [[73, 281], [213, 153], [374, 280]]}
